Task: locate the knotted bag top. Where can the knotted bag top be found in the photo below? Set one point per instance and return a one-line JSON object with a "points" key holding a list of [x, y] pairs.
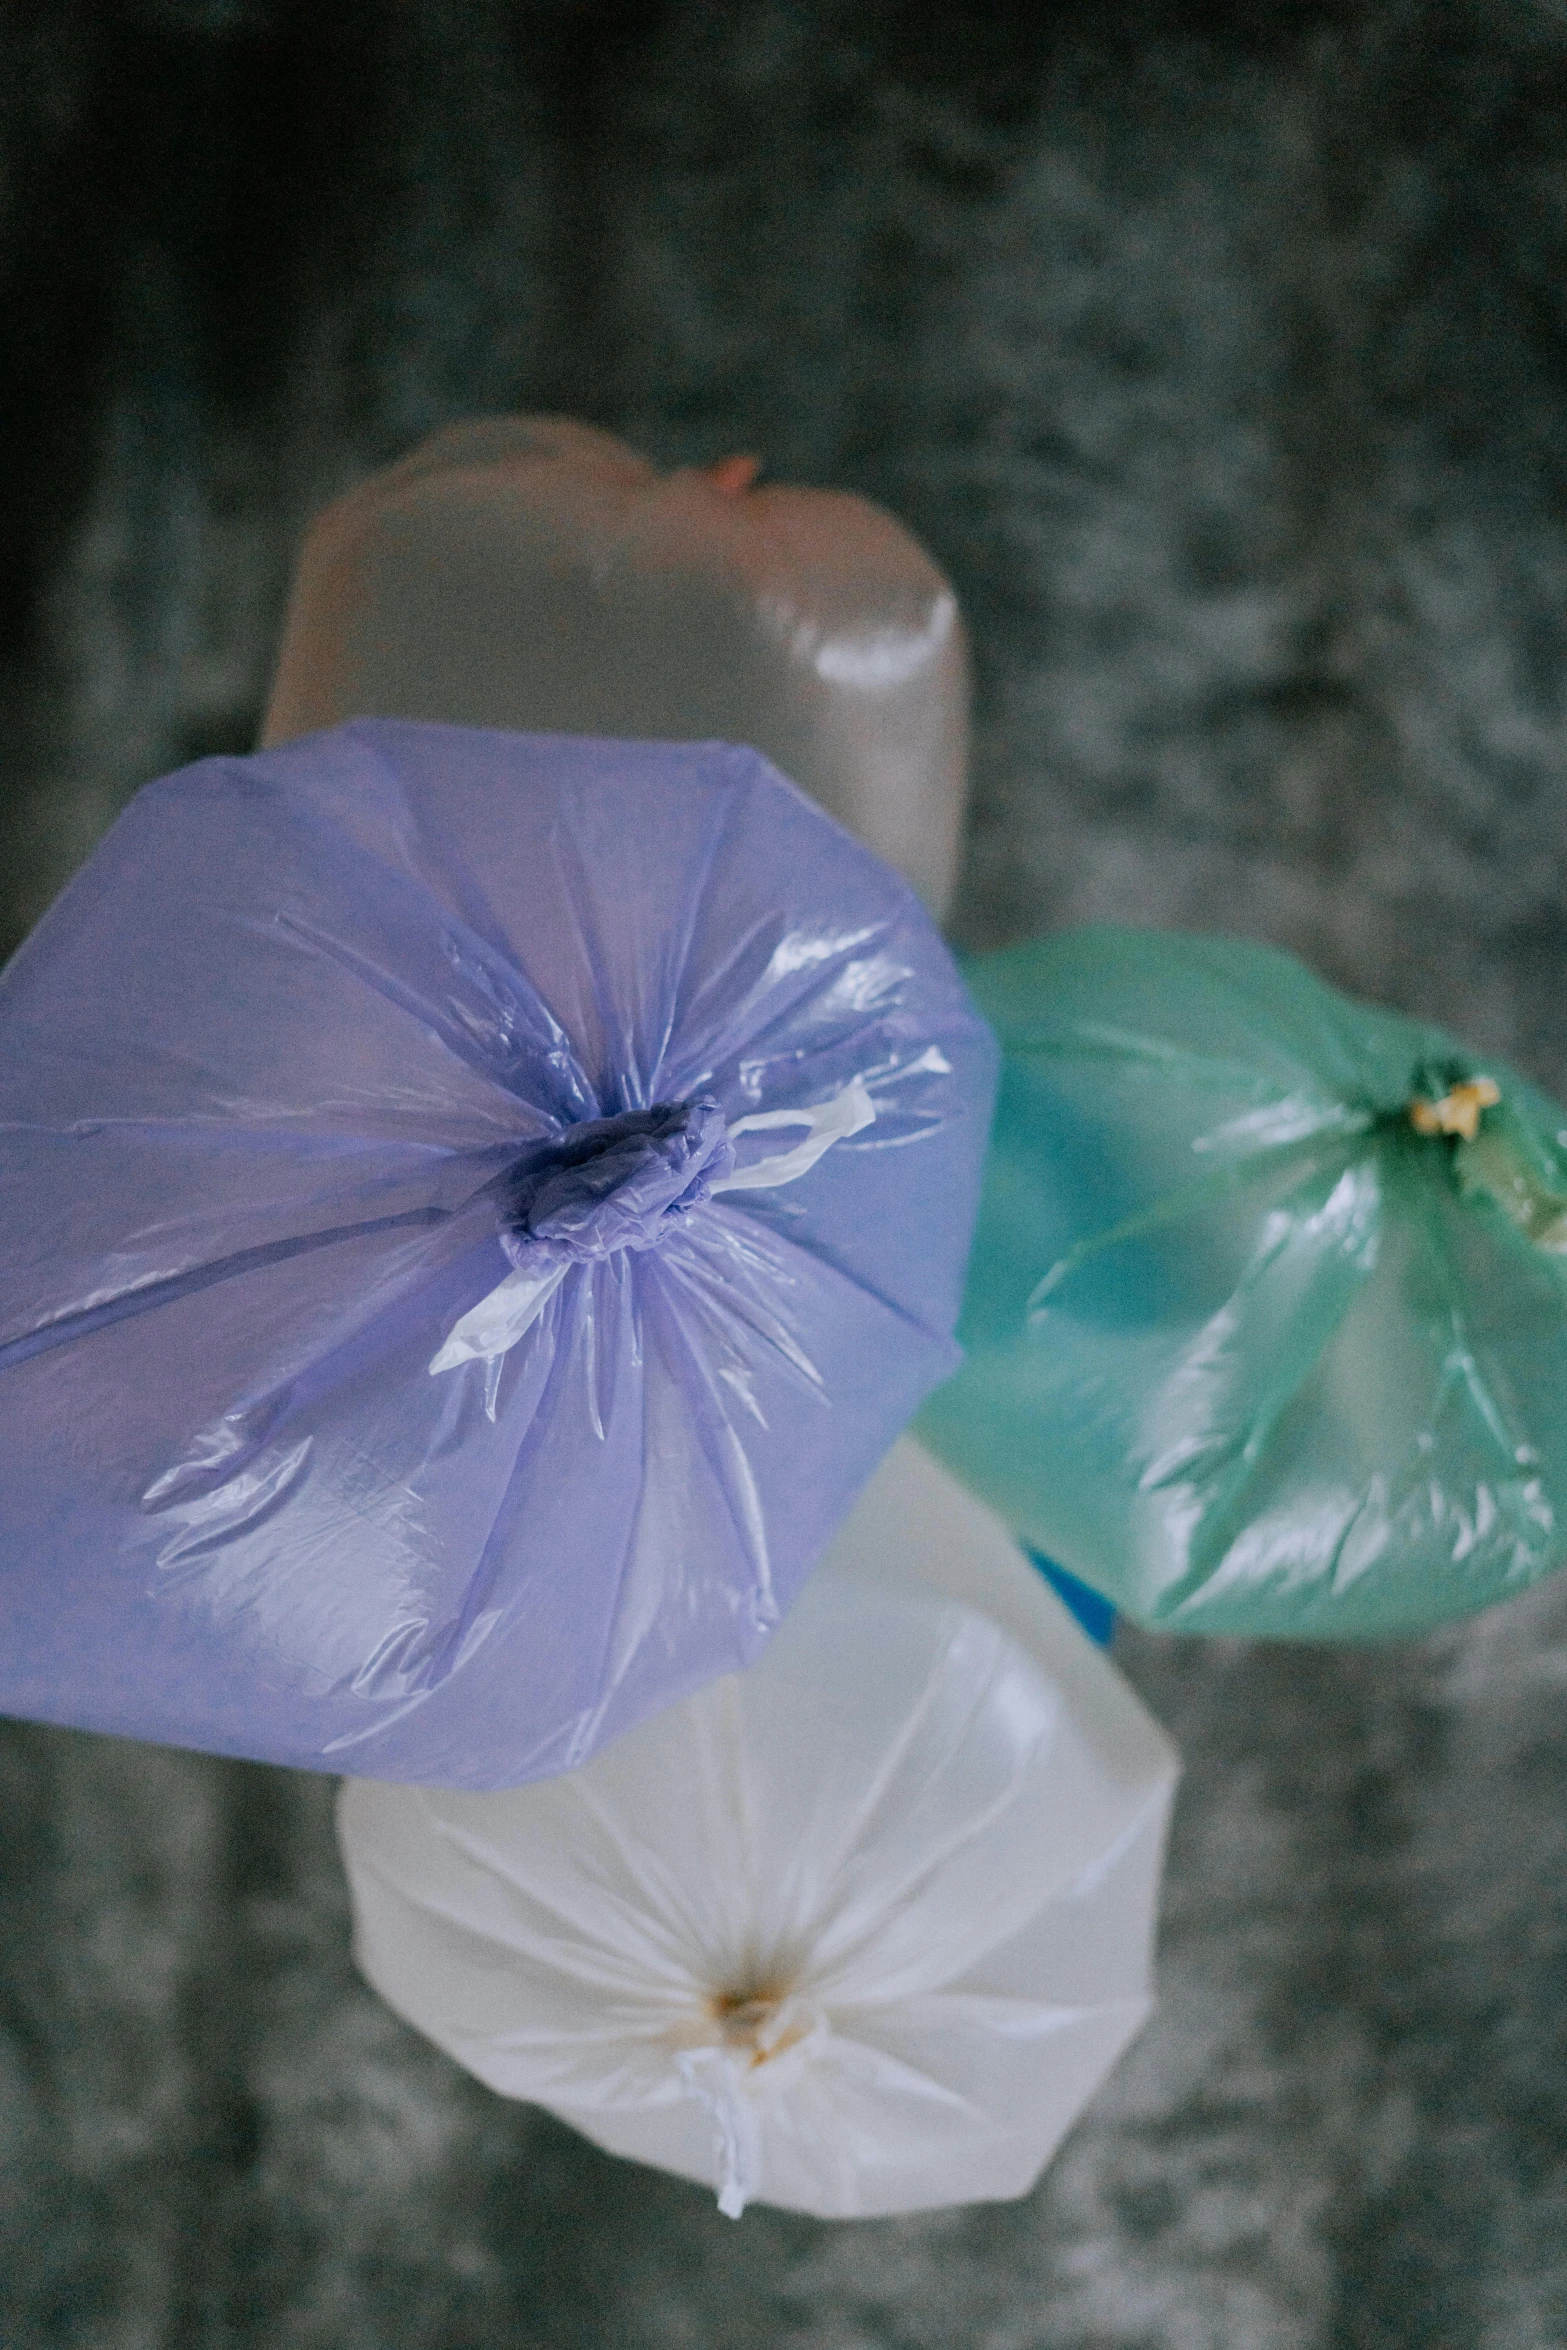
{"points": [[1267, 1314], [478, 1207]]}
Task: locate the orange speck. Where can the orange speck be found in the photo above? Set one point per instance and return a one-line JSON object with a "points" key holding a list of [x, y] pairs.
{"points": [[734, 475]]}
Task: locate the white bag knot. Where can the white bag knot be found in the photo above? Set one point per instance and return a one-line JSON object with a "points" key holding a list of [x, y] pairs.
{"points": [[755, 2042]]}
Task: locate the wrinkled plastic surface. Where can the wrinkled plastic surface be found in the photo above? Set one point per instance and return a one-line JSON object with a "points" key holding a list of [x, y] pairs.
{"points": [[1246, 1351], [529, 571], [290, 1080], [858, 1931]]}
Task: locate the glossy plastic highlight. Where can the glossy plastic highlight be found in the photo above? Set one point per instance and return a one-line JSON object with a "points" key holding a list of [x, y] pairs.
{"points": [[323, 1049], [1267, 1316]]}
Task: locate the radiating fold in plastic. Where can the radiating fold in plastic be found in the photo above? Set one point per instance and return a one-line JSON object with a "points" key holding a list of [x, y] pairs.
{"points": [[858, 1931], [320, 1052], [1267, 1314]]}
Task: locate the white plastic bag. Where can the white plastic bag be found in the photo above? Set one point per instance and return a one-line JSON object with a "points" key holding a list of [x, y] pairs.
{"points": [[856, 1931]]}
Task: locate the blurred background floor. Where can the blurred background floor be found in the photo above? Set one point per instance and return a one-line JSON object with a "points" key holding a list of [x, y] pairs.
{"points": [[1220, 355]]}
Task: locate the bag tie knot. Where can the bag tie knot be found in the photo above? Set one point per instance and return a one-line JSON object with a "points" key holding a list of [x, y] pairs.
{"points": [[612, 1183], [624, 1182], [1458, 1111]]}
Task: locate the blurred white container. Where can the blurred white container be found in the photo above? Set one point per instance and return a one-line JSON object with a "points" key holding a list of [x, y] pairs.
{"points": [[858, 1931]]}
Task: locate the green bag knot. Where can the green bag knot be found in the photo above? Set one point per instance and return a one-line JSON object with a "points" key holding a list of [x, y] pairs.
{"points": [[1458, 1111]]}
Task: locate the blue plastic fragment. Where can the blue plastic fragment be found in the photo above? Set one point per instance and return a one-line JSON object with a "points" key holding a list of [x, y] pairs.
{"points": [[1095, 1613]]}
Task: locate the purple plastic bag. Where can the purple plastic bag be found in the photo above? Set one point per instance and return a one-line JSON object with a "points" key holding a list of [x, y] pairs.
{"points": [[477, 1208]]}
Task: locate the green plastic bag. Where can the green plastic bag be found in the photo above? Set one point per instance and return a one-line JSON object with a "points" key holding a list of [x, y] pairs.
{"points": [[1267, 1314]]}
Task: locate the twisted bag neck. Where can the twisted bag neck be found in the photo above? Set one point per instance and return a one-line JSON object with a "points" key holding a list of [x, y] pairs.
{"points": [[614, 1183], [625, 1182]]}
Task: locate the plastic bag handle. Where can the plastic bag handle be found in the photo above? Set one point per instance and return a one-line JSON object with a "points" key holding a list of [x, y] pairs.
{"points": [[849, 1111], [502, 1316]]}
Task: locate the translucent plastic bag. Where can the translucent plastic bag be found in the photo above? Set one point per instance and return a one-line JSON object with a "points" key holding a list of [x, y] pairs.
{"points": [[478, 1206], [534, 573], [857, 1931], [1267, 1314]]}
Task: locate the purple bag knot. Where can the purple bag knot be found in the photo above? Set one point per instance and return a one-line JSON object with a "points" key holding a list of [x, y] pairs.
{"points": [[614, 1183]]}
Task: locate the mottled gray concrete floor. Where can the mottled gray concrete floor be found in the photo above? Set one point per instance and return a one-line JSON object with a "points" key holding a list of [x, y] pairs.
{"points": [[1219, 353]]}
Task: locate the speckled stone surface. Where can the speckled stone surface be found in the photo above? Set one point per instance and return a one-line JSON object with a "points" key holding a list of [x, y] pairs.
{"points": [[1220, 354]]}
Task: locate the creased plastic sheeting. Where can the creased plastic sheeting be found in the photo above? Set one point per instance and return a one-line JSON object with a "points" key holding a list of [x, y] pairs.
{"points": [[1247, 1351], [318, 1052], [857, 1931]]}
